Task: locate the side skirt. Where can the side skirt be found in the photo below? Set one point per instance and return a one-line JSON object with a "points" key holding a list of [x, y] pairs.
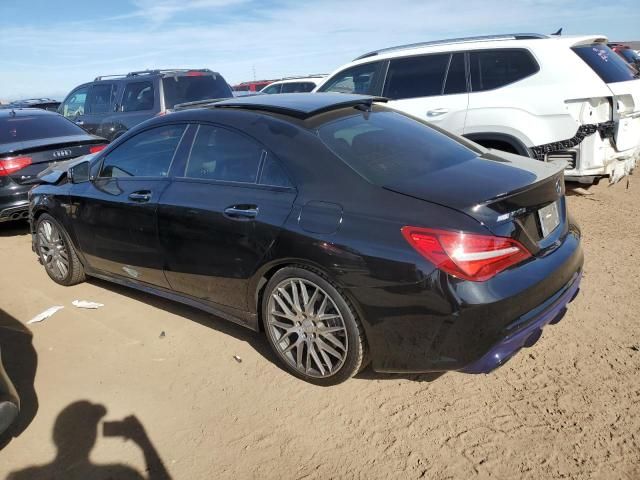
{"points": [[240, 317]]}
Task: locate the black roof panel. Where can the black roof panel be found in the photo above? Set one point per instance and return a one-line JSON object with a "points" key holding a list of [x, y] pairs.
{"points": [[300, 105]]}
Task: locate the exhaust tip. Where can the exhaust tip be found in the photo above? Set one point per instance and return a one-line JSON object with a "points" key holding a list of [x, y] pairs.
{"points": [[533, 338]]}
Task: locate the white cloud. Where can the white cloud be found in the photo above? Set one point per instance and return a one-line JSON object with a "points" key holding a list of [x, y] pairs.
{"points": [[292, 38]]}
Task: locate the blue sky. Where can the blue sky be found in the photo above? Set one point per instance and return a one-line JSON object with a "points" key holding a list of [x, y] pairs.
{"points": [[47, 47]]}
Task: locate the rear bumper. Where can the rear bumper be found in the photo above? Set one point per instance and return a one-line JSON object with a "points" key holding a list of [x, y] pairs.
{"points": [[528, 329], [444, 324], [14, 200]]}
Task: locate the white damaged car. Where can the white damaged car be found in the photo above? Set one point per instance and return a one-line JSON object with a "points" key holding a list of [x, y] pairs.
{"points": [[562, 99]]}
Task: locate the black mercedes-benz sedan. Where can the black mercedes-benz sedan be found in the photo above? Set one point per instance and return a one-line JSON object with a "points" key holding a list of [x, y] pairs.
{"points": [[31, 139], [350, 233]]}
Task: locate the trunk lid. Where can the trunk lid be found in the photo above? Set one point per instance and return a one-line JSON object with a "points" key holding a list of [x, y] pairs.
{"points": [[502, 191], [44, 153]]}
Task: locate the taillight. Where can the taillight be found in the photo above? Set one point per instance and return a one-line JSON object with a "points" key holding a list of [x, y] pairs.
{"points": [[466, 255], [195, 73], [97, 148], [12, 165]]}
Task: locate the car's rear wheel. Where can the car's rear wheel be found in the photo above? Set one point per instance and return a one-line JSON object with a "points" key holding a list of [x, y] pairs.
{"points": [[311, 327], [57, 253]]}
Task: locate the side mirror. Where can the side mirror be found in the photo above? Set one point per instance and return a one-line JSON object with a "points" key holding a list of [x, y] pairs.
{"points": [[79, 173]]}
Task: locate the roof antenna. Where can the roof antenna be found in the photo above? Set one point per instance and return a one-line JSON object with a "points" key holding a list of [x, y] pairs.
{"points": [[558, 33]]}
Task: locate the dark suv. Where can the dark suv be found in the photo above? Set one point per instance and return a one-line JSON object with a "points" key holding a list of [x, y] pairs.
{"points": [[112, 104]]}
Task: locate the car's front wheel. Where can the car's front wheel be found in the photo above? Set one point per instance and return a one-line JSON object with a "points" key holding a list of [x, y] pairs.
{"points": [[311, 327], [57, 253]]}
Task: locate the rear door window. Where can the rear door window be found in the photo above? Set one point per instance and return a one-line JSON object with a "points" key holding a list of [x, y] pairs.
{"points": [[492, 69], [420, 76], [193, 87], [363, 79], [223, 155], [138, 96], [100, 98], [147, 154], [605, 62]]}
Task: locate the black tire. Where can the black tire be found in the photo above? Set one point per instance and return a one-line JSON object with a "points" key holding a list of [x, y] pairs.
{"points": [[74, 273], [350, 329]]}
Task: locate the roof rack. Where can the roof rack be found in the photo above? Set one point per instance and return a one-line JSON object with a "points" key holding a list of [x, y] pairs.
{"points": [[301, 77], [483, 38], [153, 72]]}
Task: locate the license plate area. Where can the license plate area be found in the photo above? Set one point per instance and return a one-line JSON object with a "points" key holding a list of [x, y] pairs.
{"points": [[549, 217]]}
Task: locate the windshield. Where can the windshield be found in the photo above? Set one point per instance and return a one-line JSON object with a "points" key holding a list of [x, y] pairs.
{"points": [[609, 66], [22, 128], [384, 147], [185, 88]]}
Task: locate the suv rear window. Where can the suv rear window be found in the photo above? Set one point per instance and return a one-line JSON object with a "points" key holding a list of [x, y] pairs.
{"points": [[186, 88], [605, 62], [384, 147], [23, 128], [496, 68]]}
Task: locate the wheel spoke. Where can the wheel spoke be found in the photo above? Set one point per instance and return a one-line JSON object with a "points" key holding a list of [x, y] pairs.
{"points": [[315, 357], [299, 352], [308, 309], [323, 306], [328, 316], [292, 346], [283, 305], [326, 358], [296, 297], [333, 339], [329, 349]]}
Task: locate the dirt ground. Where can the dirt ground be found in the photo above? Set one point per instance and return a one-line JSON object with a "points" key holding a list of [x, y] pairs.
{"points": [[566, 408]]}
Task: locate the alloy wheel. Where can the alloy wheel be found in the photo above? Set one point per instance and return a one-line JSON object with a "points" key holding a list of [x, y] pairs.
{"points": [[307, 328], [53, 251]]}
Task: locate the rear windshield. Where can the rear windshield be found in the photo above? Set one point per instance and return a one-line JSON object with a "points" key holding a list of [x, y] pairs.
{"points": [[605, 62], [384, 147], [22, 128], [184, 88]]}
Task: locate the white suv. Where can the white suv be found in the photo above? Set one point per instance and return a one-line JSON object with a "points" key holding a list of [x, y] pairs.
{"points": [[554, 98], [294, 84]]}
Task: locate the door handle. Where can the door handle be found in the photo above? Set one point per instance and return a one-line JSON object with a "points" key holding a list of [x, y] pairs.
{"points": [[141, 196], [437, 112], [79, 122], [241, 212]]}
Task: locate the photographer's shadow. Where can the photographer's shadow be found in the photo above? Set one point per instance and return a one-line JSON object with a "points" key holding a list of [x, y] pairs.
{"points": [[75, 433]]}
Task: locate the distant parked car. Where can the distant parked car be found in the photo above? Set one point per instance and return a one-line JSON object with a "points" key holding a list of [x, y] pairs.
{"points": [[626, 52], [294, 84], [44, 103], [30, 140], [251, 87], [348, 232], [545, 97], [112, 104]]}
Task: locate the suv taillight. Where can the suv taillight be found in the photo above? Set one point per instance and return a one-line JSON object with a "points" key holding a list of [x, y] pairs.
{"points": [[12, 165], [466, 255]]}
